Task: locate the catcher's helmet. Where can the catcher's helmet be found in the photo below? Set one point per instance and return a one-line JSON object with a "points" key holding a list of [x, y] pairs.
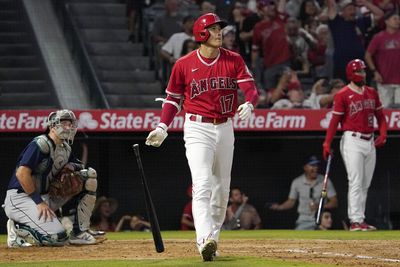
{"points": [[200, 32], [54, 120], [352, 68]]}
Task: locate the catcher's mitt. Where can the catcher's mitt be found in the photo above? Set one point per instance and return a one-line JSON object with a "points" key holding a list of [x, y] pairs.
{"points": [[68, 183]]}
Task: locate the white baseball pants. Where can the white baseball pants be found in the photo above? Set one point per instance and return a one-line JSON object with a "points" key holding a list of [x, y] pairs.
{"points": [[359, 158], [209, 151]]}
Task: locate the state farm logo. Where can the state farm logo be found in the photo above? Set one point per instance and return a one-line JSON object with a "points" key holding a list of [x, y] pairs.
{"points": [[86, 121], [324, 123]]}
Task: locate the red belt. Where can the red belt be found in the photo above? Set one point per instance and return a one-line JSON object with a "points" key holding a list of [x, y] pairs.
{"points": [[208, 119], [363, 137]]}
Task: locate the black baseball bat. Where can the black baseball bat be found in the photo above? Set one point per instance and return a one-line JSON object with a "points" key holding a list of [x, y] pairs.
{"points": [[151, 211], [324, 193]]}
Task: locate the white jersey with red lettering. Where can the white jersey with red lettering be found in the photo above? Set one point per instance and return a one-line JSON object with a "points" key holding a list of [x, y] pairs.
{"points": [[358, 111], [209, 87]]}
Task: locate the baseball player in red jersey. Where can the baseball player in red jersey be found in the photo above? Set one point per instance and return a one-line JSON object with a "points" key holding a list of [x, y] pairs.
{"points": [[205, 82], [355, 107]]}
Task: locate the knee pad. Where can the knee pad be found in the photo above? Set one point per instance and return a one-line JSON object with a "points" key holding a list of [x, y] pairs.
{"points": [[90, 176]]}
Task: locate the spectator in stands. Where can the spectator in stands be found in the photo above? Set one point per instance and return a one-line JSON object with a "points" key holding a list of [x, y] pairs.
{"points": [[383, 59], [172, 49], [347, 32], [335, 85], [295, 98], [136, 223], [164, 27], [224, 7], [240, 214], [306, 189], [320, 53], [207, 7], [287, 80], [322, 93], [102, 214], [269, 38], [134, 14], [229, 38], [308, 9], [386, 5], [168, 23], [188, 46], [326, 221], [299, 47], [187, 222], [245, 30]]}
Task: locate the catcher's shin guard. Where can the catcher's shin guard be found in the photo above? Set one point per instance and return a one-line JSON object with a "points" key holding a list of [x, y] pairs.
{"points": [[87, 200]]}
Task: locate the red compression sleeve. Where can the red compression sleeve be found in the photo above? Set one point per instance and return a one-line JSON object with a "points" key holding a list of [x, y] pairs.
{"points": [[382, 124], [250, 92], [169, 110], [331, 131]]}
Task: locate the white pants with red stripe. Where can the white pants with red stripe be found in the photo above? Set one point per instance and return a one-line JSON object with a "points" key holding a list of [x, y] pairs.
{"points": [[359, 158], [209, 151]]}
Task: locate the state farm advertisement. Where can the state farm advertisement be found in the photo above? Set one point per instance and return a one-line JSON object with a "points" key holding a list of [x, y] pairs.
{"points": [[145, 120]]}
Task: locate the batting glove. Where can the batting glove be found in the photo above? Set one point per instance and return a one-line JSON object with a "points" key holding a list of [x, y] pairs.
{"points": [[380, 141], [326, 150], [157, 136], [245, 111]]}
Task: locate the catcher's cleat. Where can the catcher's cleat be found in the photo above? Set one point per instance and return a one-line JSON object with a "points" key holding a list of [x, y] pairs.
{"points": [[208, 251], [83, 238], [96, 233], [13, 240]]}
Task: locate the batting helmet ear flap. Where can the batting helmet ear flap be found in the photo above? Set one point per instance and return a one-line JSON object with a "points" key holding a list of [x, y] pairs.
{"points": [[204, 34]]}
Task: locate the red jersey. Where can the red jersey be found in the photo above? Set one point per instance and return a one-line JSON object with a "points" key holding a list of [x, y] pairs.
{"points": [[271, 38], [357, 109], [385, 49], [209, 89]]}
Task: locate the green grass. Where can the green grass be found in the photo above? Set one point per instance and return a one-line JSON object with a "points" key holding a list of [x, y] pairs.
{"points": [[267, 235]]}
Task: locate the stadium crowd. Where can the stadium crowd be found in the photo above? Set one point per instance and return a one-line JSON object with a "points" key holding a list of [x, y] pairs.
{"points": [[297, 50]]}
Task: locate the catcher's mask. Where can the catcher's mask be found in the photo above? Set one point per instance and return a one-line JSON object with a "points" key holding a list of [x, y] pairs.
{"points": [[64, 130]]}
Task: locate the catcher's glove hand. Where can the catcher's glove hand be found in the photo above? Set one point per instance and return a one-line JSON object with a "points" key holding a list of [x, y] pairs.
{"points": [[68, 183]]}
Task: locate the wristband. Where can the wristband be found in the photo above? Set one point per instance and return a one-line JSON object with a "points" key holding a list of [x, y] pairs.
{"points": [[36, 197]]}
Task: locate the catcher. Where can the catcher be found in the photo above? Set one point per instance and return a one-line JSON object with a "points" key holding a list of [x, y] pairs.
{"points": [[45, 178]]}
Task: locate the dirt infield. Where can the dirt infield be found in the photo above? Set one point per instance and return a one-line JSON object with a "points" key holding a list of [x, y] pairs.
{"points": [[346, 252]]}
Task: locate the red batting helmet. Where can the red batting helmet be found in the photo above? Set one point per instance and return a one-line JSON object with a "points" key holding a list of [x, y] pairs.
{"points": [[352, 68], [200, 32]]}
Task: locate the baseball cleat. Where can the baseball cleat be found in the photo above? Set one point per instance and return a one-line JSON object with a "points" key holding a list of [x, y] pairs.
{"points": [[209, 250], [367, 227], [96, 233], [355, 227], [83, 238], [13, 240]]}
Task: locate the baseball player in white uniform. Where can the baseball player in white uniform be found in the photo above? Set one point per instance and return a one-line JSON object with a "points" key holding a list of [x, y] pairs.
{"points": [[355, 107], [206, 82]]}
